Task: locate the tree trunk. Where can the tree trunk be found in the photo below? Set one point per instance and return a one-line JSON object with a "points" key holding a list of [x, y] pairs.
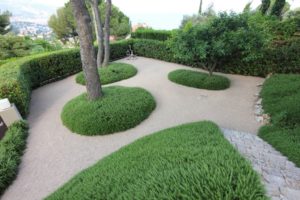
{"points": [[107, 33], [211, 68], [87, 51], [98, 30], [200, 7]]}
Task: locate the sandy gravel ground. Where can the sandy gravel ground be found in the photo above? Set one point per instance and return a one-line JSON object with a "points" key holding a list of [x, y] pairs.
{"points": [[54, 154]]}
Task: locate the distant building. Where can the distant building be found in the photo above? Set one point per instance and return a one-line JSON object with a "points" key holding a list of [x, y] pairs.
{"points": [[32, 30], [139, 25]]}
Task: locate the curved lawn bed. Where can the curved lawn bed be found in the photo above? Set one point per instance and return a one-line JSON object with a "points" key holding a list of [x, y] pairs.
{"points": [[112, 73], [192, 161], [199, 80], [119, 109]]}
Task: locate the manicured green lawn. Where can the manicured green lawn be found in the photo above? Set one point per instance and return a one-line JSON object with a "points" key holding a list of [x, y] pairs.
{"points": [[281, 100], [12, 147], [192, 161], [121, 108], [112, 73], [199, 80]]}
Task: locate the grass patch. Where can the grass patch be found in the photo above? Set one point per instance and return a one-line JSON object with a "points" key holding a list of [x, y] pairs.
{"points": [[12, 147], [192, 161], [281, 97], [199, 80], [121, 108], [112, 73]]}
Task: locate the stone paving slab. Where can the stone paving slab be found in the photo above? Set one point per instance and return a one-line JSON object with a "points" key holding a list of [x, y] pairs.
{"points": [[280, 176]]}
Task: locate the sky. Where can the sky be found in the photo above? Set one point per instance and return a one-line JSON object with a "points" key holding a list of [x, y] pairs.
{"points": [[159, 14]]}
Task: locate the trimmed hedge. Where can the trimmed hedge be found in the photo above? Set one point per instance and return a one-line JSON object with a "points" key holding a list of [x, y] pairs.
{"points": [[12, 147], [192, 161], [153, 49], [199, 80], [280, 99], [119, 109], [161, 35], [19, 77], [282, 58]]}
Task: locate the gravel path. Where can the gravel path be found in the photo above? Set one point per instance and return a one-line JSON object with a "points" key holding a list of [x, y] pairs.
{"points": [[54, 154], [281, 177]]}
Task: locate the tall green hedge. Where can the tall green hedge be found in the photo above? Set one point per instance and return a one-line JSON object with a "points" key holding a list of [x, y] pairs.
{"points": [[283, 58], [160, 35], [19, 77], [12, 147]]}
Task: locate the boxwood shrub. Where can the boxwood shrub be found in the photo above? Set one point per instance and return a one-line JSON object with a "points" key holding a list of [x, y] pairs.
{"points": [[12, 147], [19, 77], [160, 35]]}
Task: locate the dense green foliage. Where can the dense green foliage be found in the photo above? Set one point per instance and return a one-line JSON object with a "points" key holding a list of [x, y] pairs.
{"points": [[199, 80], [121, 108], [15, 46], [161, 35], [18, 77], [278, 7], [153, 49], [4, 22], [277, 50], [282, 58], [112, 73], [64, 26], [281, 97], [192, 161], [200, 18], [12, 147], [221, 38]]}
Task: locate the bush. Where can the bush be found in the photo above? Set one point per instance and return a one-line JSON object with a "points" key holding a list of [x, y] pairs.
{"points": [[281, 58], [153, 49], [121, 108], [219, 39], [161, 35], [19, 77], [12, 147], [281, 97], [192, 161], [199, 80], [277, 59], [112, 73]]}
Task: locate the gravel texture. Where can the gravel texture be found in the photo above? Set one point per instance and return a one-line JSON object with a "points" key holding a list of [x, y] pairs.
{"points": [[54, 154]]}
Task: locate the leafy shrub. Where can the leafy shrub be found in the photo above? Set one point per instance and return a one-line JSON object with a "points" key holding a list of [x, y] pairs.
{"points": [[112, 73], [192, 161], [161, 35], [17, 78], [12, 147], [121, 108], [281, 97], [199, 80], [210, 43], [153, 49]]}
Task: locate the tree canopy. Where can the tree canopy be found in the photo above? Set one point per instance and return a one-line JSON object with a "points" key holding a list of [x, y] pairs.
{"points": [[4, 22], [225, 35], [64, 25]]}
